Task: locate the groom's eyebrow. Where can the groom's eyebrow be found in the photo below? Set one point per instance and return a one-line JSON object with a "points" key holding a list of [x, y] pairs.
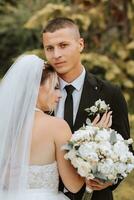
{"points": [[46, 46], [58, 44]]}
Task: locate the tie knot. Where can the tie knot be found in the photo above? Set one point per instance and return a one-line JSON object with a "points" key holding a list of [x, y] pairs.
{"points": [[69, 89]]}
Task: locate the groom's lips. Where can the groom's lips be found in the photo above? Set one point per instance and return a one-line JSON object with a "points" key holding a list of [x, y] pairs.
{"points": [[59, 63]]}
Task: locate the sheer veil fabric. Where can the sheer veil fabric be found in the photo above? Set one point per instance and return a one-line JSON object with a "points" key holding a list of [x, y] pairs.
{"points": [[18, 95]]}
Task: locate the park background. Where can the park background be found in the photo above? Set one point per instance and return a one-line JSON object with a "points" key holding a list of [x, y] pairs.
{"points": [[108, 29]]}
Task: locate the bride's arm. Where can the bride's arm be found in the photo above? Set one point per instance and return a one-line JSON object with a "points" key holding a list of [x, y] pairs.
{"points": [[72, 181]]}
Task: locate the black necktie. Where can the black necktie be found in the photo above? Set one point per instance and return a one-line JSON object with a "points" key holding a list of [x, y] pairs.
{"points": [[68, 107]]}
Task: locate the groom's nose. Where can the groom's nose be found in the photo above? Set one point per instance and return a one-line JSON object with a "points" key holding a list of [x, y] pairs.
{"points": [[57, 53]]}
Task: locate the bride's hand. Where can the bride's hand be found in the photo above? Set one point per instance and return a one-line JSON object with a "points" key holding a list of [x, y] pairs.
{"points": [[95, 184], [103, 122]]}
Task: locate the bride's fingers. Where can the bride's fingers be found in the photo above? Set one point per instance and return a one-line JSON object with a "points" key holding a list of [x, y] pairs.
{"points": [[93, 183], [107, 122], [110, 122], [103, 119], [96, 120], [101, 123]]}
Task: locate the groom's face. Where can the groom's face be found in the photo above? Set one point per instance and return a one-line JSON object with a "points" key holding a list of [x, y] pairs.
{"points": [[62, 50]]}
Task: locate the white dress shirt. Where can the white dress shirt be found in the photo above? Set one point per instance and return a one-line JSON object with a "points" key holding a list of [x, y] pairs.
{"points": [[78, 85]]}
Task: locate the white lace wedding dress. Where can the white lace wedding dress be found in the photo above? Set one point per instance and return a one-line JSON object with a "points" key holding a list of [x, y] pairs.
{"points": [[43, 183]]}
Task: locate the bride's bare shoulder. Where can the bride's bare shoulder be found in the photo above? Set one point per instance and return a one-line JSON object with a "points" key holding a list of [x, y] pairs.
{"points": [[53, 125], [57, 122], [59, 126], [51, 121]]}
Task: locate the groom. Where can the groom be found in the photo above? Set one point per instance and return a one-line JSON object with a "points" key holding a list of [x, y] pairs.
{"points": [[63, 46]]}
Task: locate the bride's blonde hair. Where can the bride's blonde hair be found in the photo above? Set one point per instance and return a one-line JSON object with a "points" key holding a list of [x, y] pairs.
{"points": [[49, 75], [48, 71]]}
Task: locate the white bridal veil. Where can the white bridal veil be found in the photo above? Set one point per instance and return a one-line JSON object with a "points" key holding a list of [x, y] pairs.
{"points": [[18, 95]]}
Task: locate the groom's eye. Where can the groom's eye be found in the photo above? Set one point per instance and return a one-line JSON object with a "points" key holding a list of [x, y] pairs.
{"points": [[49, 48], [63, 45]]}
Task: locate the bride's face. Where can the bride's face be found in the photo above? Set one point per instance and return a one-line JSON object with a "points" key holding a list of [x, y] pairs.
{"points": [[49, 94]]}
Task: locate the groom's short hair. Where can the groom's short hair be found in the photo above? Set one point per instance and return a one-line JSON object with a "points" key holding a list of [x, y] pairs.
{"points": [[60, 23]]}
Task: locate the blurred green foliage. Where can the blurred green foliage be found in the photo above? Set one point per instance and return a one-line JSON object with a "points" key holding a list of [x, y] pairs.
{"points": [[107, 27]]}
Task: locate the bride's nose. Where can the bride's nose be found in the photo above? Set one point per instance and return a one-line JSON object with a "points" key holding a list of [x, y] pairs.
{"points": [[59, 94]]}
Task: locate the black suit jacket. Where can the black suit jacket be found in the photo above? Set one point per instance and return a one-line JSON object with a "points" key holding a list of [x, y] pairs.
{"points": [[94, 89]]}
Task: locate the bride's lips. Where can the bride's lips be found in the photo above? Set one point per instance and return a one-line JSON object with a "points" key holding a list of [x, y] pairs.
{"points": [[56, 102]]}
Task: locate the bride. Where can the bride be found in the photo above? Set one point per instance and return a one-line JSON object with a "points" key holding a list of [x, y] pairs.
{"points": [[31, 158]]}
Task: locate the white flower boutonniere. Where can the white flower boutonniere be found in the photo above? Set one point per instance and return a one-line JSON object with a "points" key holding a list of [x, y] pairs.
{"points": [[99, 107]]}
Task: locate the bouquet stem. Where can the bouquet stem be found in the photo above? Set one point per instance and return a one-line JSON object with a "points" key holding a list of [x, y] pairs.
{"points": [[87, 195]]}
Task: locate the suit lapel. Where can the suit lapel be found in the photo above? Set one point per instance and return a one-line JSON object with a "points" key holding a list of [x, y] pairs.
{"points": [[88, 97]]}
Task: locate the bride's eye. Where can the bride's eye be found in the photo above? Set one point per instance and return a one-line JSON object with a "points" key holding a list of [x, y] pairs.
{"points": [[57, 87]]}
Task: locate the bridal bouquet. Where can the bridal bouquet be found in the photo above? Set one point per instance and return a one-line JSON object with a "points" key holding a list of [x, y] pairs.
{"points": [[100, 153]]}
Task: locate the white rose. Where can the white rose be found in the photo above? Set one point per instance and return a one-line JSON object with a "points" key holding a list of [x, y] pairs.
{"points": [[98, 102], [80, 135], [76, 162], [86, 149], [91, 131], [119, 137], [105, 149], [130, 157], [123, 158], [114, 156], [103, 105], [129, 141], [106, 167], [120, 148], [84, 169], [103, 135], [130, 167], [93, 109], [120, 168], [70, 155]]}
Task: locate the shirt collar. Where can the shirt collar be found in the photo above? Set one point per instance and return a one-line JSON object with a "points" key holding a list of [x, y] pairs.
{"points": [[77, 83]]}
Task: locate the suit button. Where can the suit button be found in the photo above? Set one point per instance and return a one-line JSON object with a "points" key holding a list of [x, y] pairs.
{"points": [[96, 88]]}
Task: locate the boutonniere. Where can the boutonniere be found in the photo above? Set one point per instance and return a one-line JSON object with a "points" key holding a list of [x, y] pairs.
{"points": [[100, 107]]}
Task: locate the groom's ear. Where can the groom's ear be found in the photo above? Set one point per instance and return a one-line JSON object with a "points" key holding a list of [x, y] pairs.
{"points": [[81, 44]]}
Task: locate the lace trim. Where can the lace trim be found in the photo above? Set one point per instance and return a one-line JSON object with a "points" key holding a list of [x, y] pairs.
{"points": [[43, 177]]}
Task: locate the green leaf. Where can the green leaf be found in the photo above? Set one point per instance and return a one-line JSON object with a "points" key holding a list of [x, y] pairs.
{"points": [[113, 138]]}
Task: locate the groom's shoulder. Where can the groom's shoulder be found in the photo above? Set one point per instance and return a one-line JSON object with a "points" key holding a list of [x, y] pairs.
{"points": [[102, 85]]}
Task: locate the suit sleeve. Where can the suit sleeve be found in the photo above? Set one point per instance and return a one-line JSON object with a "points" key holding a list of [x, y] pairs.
{"points": [[120, 114], [120, 118]]}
